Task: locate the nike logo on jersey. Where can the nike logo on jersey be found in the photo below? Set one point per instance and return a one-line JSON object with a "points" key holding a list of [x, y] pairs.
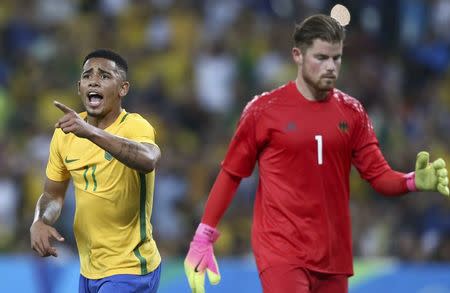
{"points": [[67, 161]]}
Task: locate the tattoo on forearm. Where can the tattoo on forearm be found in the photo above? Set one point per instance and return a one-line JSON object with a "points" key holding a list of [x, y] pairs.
{"points": [[136, 155], [47, 209], [129, 152]]}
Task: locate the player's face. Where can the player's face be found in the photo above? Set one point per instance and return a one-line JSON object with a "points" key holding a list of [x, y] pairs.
{"points": [[101, 87], [320, 64]]}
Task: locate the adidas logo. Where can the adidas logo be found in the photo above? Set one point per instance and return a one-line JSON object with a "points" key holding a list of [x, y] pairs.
{"points": [[291, 126]]}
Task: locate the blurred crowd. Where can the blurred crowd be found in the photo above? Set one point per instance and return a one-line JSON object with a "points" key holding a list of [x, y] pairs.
{"points": [[194, 64]]}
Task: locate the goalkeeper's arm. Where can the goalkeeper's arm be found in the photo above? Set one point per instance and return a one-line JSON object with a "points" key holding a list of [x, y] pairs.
{"points": [[200, 257], [426, 177], [220, 197]]}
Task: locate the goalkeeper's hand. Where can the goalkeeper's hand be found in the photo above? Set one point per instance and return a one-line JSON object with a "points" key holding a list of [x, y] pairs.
{"points": [[200, 258], [430, 176]]}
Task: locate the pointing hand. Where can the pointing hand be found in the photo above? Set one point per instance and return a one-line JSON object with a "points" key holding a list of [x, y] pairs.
{"points": [[71, 122]]}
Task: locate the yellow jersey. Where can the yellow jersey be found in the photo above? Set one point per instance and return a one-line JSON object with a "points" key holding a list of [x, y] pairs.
{"points": [[113, 202]]}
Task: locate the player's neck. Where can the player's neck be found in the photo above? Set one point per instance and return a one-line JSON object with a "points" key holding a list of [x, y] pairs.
{"points": [[103, 122], [309, 92]]}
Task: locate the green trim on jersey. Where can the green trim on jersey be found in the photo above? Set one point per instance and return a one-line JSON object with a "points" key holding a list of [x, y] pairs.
{"points": [[142, 222], [93, 176], [123, 118], [142, 261], [143, 197], [85, 177]]}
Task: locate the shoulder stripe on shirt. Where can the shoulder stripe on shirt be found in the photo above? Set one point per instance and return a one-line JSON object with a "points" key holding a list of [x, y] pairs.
{"points": [[123, 118], [142, 222]]}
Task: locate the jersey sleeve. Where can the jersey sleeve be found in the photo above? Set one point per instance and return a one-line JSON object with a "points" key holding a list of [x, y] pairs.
{"points": [[366, 154], [246, 143], [140, 130], [220, 197], [56, 170]]}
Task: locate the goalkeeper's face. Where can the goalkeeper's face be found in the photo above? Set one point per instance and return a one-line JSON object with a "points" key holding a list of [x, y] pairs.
{"points": [[320, 64]]}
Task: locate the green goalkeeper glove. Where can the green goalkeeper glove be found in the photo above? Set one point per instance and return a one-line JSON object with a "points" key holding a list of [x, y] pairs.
{"points": [[429, 176]]}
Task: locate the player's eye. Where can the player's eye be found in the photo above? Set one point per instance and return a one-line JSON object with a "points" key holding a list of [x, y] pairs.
{"points": [[105, 76]]}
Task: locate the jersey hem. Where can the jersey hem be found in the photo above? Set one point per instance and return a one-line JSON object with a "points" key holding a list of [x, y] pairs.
{"points": [[128, 271]]}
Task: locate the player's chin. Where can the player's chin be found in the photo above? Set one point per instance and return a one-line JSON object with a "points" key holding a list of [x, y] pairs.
{"points": [[97, 112], [326, 85], [325, 88]]}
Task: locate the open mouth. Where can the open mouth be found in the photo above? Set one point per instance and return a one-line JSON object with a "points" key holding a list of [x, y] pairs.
{"points": [[94, 99]]}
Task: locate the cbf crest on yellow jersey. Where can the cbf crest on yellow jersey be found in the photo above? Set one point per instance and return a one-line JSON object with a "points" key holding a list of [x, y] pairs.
{"points": [[113, 202]]}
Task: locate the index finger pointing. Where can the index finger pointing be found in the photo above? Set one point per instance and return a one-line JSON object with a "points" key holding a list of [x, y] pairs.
{"points": [[62, 107]]}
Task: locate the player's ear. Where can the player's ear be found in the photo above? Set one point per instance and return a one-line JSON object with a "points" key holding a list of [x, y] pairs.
{"points": [[124, 89], [78, 87], [297, 56]]}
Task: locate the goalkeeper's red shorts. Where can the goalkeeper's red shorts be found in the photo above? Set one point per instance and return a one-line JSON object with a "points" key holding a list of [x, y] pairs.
{"points": [[294, 279]]}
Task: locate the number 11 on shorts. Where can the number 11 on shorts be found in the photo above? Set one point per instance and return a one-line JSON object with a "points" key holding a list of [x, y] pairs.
{"points": [[319, 149]]}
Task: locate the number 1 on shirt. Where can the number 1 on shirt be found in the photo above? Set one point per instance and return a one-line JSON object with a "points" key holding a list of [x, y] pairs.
{"points": [[319, 149]]}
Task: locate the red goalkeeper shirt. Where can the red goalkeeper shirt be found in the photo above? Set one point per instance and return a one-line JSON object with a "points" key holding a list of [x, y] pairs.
{"points": [[304, 151]]}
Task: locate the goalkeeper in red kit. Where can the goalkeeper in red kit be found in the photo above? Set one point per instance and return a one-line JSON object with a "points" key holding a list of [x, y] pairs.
{"points": [[304, 135]]}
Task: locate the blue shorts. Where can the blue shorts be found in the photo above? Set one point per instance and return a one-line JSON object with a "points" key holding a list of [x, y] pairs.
{"points": [[122, 283]]}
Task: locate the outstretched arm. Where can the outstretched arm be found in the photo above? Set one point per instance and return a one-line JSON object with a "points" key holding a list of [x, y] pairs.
{"points": [[372, 166], [48, 209], [142, 157], [428, 176]]}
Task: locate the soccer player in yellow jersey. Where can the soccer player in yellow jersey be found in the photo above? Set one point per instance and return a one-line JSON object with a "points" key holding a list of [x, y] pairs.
{"points": [[111, 157]]}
